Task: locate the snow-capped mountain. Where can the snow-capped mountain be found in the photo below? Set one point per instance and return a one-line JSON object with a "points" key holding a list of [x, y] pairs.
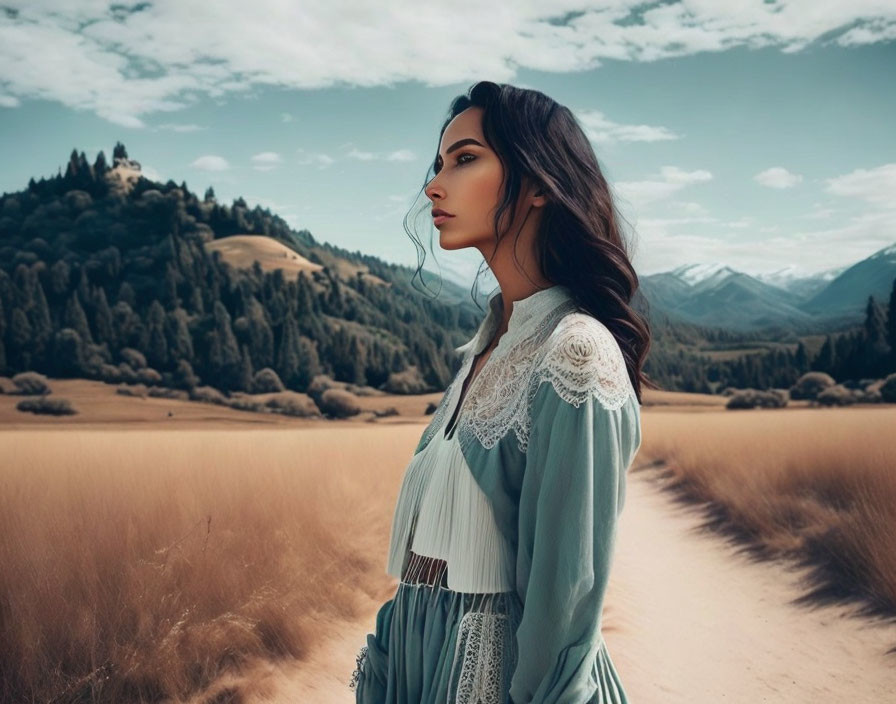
{"points": [[715, 294]]}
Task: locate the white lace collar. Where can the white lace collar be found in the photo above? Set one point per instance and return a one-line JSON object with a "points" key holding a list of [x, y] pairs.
{"points": [[524, 313]]}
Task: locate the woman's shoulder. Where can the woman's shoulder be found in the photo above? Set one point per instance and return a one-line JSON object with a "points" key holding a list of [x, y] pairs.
{"points": [[583, 359]]}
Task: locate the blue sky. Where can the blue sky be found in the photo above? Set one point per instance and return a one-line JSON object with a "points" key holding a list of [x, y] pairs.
{"points": [[757, 134]]}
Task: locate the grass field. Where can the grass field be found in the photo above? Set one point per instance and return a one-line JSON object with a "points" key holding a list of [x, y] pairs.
{"points": [[144, 562]]}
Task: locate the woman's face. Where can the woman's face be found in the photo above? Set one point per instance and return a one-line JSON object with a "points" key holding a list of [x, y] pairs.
{"points": [[467, 184]]}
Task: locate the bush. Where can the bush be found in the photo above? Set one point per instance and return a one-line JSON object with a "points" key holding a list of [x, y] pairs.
{"points": [[431, 408], [409, 381], [266, 381], [753, 398], [208, 394], [126, 374], [134, 358], [124, 390], [162, 392], [292, 403], [245, 402], [837, 395], [809, 385], [338, 403], [888, 389], [184, 377], [148, 376], [51, 406], [31, 383]]}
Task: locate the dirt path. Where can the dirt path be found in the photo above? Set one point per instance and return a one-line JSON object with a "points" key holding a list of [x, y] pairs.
{"points": [[688, 619]]}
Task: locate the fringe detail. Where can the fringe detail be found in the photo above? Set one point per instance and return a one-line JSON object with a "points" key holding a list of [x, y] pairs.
{"points": [[443, 514]]}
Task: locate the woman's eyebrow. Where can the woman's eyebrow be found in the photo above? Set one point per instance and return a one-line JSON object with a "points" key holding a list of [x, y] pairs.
{"points": [[458, 144]]}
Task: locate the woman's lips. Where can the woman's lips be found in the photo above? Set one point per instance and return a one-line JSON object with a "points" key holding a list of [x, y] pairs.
{"points": [[439, 219]]}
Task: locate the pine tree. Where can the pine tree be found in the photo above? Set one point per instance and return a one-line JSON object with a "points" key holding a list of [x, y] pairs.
{"points": [[246, 372], [875, 350], [288, 363], [102, 318], [224, 354], [156, 346], [891, 327], [824, 361], [76, 319], [119, 152]]}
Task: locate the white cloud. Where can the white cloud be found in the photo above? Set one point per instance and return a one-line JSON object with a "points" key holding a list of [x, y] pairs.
{"points": [[601, 130], [670, 180], [151, 173], [661, 246], [174, 127], [210, 162], [286, 117], [401, 155], [361, 155], [876, 186], [124, 63], [777, 177], [322, 160], [265, 161]]}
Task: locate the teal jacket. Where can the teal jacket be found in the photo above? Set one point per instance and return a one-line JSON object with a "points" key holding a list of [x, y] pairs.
{"points": [[548, 429]]}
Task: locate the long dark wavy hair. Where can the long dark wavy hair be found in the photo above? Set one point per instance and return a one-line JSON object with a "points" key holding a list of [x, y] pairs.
{"points": [[579, 242]]}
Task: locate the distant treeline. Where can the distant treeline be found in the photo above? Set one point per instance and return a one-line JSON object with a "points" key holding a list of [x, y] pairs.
{"points": [[773, 359], [89, 270]]}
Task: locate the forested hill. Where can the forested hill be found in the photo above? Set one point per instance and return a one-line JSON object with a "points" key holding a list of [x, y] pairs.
{"points": [[100, 261]]}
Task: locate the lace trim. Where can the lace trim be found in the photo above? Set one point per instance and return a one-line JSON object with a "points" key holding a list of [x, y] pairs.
{"points": [[568, 347], [496, 400], [485, 656], [360, 661], [580, 357], [586, 362]]}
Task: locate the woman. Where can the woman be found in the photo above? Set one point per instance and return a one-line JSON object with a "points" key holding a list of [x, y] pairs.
{"points": [[503, 532]]}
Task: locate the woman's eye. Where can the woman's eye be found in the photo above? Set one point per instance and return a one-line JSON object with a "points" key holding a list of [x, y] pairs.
{"points": [[438, 168]]}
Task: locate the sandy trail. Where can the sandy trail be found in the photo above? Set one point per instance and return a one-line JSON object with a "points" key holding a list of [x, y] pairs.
{"points": [[687, 619]]}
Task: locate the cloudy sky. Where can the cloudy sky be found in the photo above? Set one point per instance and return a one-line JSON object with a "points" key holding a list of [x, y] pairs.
{"points": [[757, 134]]}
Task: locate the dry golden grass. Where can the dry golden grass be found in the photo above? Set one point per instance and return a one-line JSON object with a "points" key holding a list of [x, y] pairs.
{"points": [[818, 485], [161, 558], [145, 563]]}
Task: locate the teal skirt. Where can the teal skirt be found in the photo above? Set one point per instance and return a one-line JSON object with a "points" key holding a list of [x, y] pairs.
{"points": [[432, 644]]}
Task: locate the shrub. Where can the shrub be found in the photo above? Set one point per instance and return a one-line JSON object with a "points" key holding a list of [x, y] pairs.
{"points": [[127, 374], [266, 381], [134, 358], [409, 381], [162, 392], [208, 394], [753, 398], [31, 383], [809, 385], [888, 389], [51, 406], [338, 403], [431, 408], [184, 377], [124, 390], [148, 376], [244, 402], [837, 395], [292, 403], [109, 373]]}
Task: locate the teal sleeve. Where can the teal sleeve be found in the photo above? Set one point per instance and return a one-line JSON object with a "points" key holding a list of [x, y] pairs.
{"points": [[571, 495]]}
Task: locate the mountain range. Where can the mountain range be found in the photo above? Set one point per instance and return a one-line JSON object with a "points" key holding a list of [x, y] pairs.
{"points": [[718, 295]]}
